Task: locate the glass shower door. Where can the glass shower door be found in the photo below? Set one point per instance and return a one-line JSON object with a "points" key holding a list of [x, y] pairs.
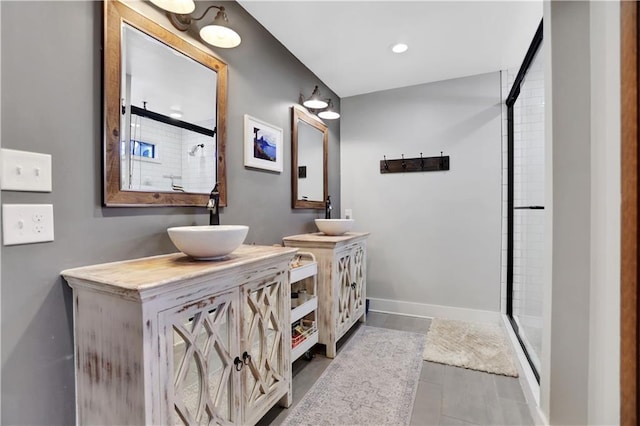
{"points": [[526, 216]]}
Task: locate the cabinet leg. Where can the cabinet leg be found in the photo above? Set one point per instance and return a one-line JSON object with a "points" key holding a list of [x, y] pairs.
{"points": [[363, 318], [287, 399], [331, 350]]}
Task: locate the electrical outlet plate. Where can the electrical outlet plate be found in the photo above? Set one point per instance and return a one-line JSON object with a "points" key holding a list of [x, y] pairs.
{"points": [[25, 171], [27, 223]]}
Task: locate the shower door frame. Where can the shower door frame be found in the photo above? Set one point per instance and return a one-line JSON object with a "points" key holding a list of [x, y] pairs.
{"points": [[510, 102]]}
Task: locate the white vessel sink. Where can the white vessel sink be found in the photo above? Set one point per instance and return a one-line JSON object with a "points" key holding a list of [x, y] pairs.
{"points": [[334, 226], [208, 242]]}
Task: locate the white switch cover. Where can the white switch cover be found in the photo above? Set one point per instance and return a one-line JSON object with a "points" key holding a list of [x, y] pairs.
{"points": [[27, 223], [25, 171]]}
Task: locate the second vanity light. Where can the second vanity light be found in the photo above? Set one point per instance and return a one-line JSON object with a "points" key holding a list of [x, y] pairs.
{"points": [[317, 102], [218, 33]]}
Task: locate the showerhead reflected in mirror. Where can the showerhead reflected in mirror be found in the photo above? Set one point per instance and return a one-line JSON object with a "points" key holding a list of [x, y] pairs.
{"points": [[163, 97]]}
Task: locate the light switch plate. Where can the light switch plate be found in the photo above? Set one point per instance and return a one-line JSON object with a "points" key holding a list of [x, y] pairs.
{"points": [[25, 171], [27, 223]]}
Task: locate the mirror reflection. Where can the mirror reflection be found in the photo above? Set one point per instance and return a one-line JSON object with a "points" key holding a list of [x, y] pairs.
{"points": [[309, 159], [165, 115], [168, 135]]}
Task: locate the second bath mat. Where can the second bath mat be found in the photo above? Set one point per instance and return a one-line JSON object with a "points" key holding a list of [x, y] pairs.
{"points": [[477, 346]]}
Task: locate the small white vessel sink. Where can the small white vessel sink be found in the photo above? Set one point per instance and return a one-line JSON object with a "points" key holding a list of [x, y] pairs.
{"points": [[334, 226], [208, 242]]}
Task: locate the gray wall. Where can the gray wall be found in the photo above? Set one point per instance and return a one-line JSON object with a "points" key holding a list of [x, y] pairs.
{"points": [[51, 103], [435, 236]]}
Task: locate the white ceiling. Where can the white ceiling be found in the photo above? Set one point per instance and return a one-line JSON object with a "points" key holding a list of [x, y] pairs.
{"points": [[347, 44], [157, 79]]}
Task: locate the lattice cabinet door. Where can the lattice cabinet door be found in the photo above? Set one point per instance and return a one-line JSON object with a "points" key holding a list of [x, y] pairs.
{"points": [[350, 272], [200, 345], [345, 282], [358, 275], [266, 344]]}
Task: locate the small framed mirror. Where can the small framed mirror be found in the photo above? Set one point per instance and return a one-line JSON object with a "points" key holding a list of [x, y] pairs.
{"points": [[165, 115], [309, 144]]}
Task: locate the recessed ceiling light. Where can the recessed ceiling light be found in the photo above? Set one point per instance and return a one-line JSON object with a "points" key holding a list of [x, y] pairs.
{"points": [[399, 48]]}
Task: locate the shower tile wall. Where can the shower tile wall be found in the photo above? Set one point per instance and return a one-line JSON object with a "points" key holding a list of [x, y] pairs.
{"points": [[173, 166], [528, 191], [150, 175], [199, 170]]}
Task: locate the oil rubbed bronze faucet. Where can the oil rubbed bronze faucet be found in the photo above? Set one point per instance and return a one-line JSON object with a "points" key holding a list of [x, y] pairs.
{"points": [[213, 206], [328, 208]]}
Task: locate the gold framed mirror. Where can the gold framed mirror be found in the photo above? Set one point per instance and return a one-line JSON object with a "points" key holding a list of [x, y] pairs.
{"points": [[165, 106], [309, 153]]}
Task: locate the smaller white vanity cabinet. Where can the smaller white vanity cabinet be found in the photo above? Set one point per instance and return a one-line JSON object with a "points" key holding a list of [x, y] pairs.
{"points": [[168, 340], [342, 283]]}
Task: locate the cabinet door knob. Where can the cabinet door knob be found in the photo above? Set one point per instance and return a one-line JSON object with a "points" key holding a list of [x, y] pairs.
{"points": [[353, 285], [246, 358], [238, 363]]}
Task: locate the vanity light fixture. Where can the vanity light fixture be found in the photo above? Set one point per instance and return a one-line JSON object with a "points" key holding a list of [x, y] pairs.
{"points": [[217, 33], [175, 6], [318, 105], [315, 101], [330, 113]]}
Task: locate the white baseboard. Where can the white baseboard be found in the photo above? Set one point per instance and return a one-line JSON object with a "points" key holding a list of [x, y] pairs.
{"points": [[433, 311]]}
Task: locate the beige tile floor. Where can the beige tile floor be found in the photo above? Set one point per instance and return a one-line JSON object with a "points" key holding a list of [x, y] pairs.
{"points": [[446, 395]]}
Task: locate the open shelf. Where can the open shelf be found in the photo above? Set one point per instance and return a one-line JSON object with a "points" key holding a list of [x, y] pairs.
{"points": [[303, 275], [306, 269], [302, 310], [304, 342]]}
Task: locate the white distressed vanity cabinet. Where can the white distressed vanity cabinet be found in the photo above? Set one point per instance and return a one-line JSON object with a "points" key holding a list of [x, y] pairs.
{"points": [[168, 340], [342, 281]]}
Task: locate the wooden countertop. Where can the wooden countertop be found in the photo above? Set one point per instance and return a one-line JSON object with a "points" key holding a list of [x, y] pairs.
{"points": [[318, 239], [155, 271]]}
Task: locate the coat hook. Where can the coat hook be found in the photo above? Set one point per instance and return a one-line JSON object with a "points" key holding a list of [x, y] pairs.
{"points": [[386, 165], [404, 163], [421, 161]]}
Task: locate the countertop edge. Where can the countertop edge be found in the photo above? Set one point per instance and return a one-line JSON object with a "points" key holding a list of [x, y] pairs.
{"points": [[95, 275]]}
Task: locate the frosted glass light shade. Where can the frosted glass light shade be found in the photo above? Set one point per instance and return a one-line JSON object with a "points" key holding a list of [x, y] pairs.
{"points": [[220, 36], [182, 7], [328, 114], [315, 101]]}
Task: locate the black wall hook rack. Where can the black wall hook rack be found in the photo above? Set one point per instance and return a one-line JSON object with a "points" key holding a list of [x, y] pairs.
{"points": [[418, 164]]}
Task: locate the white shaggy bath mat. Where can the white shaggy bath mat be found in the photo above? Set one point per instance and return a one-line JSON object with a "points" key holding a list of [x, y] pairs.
{"points": [[477, 346]]}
